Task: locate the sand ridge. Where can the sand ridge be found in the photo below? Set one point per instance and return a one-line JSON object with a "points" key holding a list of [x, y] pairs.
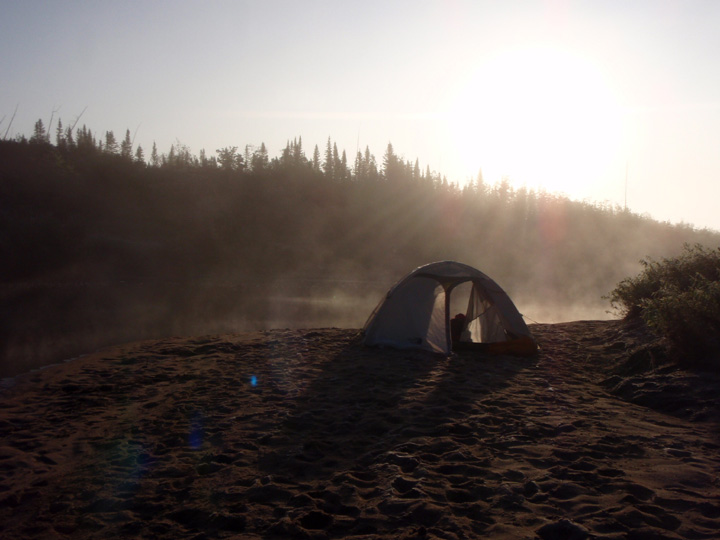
{"points": [[308, 434]]}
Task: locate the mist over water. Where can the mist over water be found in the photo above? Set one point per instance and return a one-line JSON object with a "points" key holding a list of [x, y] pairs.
{"points": [[54, 322], [536, 312], [96, 315]]}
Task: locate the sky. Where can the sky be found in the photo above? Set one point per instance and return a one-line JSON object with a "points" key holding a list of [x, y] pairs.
{"points": [[612, 102]]}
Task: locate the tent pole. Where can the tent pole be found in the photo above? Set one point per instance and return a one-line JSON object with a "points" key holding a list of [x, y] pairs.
{"points": [[447, 319]]}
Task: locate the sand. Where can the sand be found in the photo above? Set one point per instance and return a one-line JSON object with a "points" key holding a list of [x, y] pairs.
{"points": [[307, 434]]}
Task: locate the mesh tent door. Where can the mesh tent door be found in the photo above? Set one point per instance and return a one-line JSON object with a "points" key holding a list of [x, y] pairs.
{"points": [[483, 324]]}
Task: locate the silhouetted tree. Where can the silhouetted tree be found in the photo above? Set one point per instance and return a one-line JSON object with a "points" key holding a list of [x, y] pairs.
{"points": [[260, 159], [329, 164], [337, 172], [373, 173], [297, 153], [60, 136], [85, 140], [39, 135], [211, 162], [359, 168], [392, 167], [69, 140], [111, 145], [126, 146], [344, 171], [422, 221], [182, 156], [316, 159], [154, 156], [285, 158], [169, 159], [229, 159]]}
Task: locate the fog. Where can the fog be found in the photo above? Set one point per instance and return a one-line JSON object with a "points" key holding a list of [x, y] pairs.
{"points": [[99, 249], [62, 322], [52, 323]]}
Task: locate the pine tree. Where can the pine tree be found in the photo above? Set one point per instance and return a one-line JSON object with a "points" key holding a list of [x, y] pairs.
{"points": [[39, 134], [154, 157], [126, 146], [60, 136], [371, 165], [85, 140], [357, 168], [260, 159], [390, 164], [337, 166], [286, 155], [297, 154], [69, 141], [344, 172], [111, 145], [328, 168], [316, 159], [140, 155], [171, 156]]}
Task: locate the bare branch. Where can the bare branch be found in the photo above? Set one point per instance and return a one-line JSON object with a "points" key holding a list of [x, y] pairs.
{"points": [[136, 130], [11, 121], [49, 127], [72, 128]]}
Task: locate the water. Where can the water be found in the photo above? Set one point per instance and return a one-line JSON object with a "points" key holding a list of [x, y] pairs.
{"points": [[49, 323]]}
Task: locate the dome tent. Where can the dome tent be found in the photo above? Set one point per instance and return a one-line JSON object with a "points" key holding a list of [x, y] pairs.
{"points": [[415, 314]]}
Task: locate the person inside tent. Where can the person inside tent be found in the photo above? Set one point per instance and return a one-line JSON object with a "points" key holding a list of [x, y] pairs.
{"points": [[457, 325]]}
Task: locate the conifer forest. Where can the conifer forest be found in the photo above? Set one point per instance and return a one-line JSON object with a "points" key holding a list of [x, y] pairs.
{"points": [[102, 242]]}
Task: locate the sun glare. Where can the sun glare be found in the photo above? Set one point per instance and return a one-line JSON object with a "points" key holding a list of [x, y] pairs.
{"points": [[542, 118]]}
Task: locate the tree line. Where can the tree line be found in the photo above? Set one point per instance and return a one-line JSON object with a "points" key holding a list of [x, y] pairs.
{"points": [[244, 199], [331, 163], [96, 236]]}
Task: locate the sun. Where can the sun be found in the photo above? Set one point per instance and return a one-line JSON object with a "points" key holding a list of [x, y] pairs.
{"points": [[543, 118]]}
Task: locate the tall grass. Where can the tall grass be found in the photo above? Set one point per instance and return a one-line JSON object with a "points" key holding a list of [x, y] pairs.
{"points": [[679, 298]]}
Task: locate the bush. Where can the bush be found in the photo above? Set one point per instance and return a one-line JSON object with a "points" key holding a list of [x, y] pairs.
{"points": [[679, 298]]}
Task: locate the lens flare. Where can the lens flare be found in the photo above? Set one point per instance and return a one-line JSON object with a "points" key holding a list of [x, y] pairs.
{"points": [[197, 432]]}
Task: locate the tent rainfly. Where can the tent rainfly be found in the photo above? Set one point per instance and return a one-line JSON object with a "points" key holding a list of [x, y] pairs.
{"points": [[415, 314]]}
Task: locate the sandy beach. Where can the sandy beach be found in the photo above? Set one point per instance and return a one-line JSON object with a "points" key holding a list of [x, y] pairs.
{"points": [[308, 434]]}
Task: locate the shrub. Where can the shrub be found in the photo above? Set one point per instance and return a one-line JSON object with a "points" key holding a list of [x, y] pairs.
{"points": [[679, 298]]}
